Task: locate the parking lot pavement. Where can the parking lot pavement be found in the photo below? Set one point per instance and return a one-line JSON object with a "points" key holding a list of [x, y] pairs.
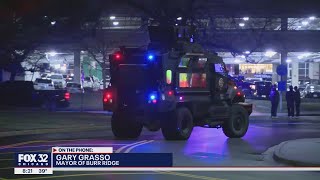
{"points": [[263, 107], [206, 147], [89, 101], [39, 122]]}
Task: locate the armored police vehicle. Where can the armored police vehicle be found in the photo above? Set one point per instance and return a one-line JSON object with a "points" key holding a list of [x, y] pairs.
{"points": [[172, 87]]}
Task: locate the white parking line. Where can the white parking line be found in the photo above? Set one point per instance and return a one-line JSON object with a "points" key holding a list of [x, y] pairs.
{"points": [[129, 145], [129, 149]]}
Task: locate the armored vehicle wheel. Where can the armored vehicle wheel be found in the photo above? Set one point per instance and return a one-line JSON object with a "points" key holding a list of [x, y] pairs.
{"points": [[237, 125], [177, 125], [125, 126]]}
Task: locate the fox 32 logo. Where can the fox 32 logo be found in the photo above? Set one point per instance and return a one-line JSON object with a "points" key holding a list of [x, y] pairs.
{"points": [[33, 159]]}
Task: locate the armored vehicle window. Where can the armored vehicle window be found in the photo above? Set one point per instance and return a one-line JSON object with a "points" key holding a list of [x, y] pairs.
{"points": [[184, 62], [192, 80], [218, 68], [202, 62], [183, 80]]}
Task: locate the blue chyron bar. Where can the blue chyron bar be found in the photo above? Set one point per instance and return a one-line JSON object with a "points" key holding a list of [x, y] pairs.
{"points": [[33, 163], [101, 160]]}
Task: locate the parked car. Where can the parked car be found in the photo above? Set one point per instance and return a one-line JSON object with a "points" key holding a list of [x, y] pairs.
{"points": [[74, 88], [44, 75], [58, 81], [247, 88], [43, 84], [262, 89], [23, 93], [67, 78], [311, 91], [87, 83], [91, 83]]}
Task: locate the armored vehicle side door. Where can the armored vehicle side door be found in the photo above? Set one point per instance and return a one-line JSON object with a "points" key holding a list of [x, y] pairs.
{"points": [[219, 83], [192, 84], [218, 90]]}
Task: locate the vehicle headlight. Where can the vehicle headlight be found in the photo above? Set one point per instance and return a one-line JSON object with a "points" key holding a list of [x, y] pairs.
{"points": [[253, 87]]}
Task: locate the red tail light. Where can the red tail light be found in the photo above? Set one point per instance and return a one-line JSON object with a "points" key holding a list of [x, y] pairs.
{"points": [[170, 93], [239, 93], [107, 97], [67, 96], [117, 56]]}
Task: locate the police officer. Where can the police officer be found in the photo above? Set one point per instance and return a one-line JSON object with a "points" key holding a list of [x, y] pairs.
{"points": [[274, 98], [290, 102], [297, 100]]}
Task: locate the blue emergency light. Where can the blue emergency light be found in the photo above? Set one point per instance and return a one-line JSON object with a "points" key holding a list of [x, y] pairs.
{"points": [[153, 98], [150, 57]]}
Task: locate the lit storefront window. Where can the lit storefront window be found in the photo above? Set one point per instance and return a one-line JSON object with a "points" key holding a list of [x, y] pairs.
{"points": [[255, 68]]}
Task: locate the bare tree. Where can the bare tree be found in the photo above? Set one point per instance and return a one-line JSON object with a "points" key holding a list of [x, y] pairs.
{"points": [[99, 50], [26, 25], [32, 63], [102, 43]]}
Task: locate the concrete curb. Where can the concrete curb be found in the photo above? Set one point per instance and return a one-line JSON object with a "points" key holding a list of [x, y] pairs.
{"points": [[267, 116], [280, 157], [45, 131]]}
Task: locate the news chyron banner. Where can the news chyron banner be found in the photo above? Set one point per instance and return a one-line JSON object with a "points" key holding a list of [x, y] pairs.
{"points": [[86, 159]]}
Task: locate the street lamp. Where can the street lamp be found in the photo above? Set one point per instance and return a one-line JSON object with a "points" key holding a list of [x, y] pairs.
{"points": [[246, 18], [241, 24], [306, 54], [179, 18], [116, 23], [247, 52], [53, 23], [112, 17], [52, 53], [270, 53], [312, 18]]}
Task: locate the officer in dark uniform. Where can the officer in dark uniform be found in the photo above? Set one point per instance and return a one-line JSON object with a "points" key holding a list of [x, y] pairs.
{"points": [[274, 98], [297, 100], [290, 102]]}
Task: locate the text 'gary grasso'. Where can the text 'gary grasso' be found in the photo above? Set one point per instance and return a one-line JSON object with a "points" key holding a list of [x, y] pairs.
{"points": [[83, 157]]}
